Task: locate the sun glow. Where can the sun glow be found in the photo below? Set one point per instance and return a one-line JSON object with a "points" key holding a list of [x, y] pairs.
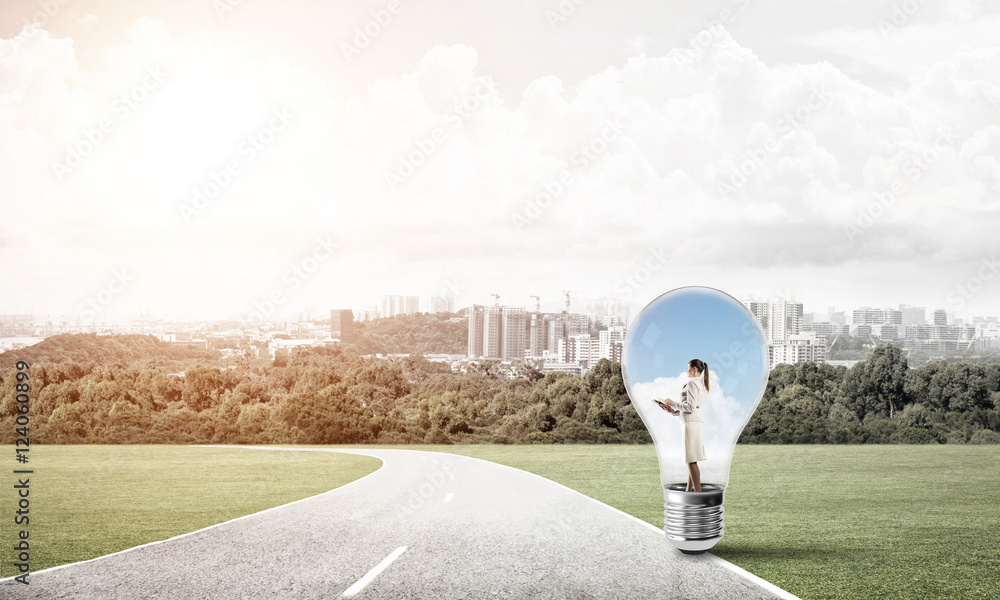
{"points": [[194, 127]]}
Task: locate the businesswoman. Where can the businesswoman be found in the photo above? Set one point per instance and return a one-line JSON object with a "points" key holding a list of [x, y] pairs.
{"points": [[692, 395]]}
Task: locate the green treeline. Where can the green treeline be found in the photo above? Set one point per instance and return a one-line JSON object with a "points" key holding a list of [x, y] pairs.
{"points": [[423, 333], [323, 395], [90, 347], [877, 401], [331, 395]]}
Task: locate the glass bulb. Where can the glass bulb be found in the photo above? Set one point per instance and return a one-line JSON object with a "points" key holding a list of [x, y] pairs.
{"points": [[711, 326]]}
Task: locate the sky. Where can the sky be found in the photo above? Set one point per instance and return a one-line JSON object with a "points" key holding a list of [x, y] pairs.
{"points": [[222, 159], [679, 326]]}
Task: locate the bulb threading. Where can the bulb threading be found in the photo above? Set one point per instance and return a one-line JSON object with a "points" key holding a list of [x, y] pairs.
{"points": [[693, 521]]}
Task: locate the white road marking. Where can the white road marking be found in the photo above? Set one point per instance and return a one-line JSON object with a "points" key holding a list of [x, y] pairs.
{"points": [[370, 575], [785, 595], [448, 497], [709, 556]]}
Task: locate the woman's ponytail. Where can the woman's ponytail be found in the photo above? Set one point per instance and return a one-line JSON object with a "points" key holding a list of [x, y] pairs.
{"points": [[702, 367]]}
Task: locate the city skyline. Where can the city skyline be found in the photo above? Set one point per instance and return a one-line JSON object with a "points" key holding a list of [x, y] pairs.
{"points": [[426, 304]]}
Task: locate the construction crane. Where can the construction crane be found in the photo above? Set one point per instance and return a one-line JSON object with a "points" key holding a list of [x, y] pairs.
{"points": [[496, 298], [538, 303]]}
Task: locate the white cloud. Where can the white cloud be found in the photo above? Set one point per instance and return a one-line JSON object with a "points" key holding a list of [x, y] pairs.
{"points": [[723, 418], [689, 125]]}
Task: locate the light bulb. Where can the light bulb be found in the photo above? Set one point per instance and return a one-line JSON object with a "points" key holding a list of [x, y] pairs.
{"points": [[711, 326]]}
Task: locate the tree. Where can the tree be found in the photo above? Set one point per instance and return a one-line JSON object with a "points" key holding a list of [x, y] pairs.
{"points": [[526, 370], [603, 412], [877, 384], [203, 386], [606, 377]]}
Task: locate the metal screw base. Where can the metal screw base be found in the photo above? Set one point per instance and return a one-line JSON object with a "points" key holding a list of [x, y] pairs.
{"points": [[692, 521]]}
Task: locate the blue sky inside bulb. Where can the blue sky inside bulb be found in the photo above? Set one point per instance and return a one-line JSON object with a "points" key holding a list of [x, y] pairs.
{"points": [[702, 323]]}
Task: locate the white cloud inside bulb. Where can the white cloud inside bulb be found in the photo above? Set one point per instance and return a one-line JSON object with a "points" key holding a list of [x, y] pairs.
{"points": [[723, 418]]}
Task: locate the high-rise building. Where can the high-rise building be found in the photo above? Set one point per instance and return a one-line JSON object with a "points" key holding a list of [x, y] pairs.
{"points": [[868, 316], [820, 328], [513, 333], [608, 313], [792, 312], [342, 325], [779, 319], [546, 329], [486, 332], [607, 339], [442, 304], [367, 314], [579, 348], [615, 352], [941, 338], [888, 332], [940, 317], [802, 347], [536, 328], [760, 309], [877, 317], [492, 323], [913, 315], [917, 332], [477, 318], [390, 306], [616, 321]]}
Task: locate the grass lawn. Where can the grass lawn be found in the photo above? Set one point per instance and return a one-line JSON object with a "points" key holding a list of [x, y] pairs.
{"points": [[840, 522], [88, 501]]}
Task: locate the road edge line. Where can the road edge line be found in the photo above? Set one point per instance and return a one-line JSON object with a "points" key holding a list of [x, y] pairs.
{"points": [[767, 585], [182, 535]]}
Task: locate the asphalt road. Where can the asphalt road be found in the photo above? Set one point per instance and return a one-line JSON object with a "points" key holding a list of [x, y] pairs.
{"points": [[425, 525]]}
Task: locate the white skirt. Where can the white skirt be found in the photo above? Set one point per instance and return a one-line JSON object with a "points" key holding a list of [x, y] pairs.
{"points": [[694, 442]]}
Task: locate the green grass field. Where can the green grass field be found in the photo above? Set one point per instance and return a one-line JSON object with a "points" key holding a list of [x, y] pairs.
{"points": [[88, 501], [840, 522]]}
